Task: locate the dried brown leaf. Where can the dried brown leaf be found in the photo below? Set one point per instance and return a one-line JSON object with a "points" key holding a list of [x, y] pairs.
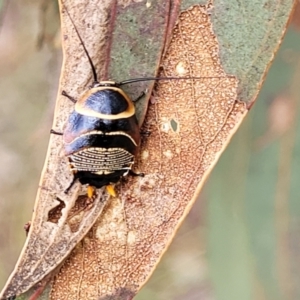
{"points": [[56, 228], [60, 221], [190, 123]]}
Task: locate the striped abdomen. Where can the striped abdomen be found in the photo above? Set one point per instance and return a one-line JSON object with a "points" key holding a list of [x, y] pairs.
{"points": [[101, 160]]}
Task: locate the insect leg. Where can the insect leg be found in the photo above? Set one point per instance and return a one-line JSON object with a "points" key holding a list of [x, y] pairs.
{"points": [[132, 173], [70, 186], [90, 191], [145, 133], [139, 97], [52, 131], [111, 191], [64, 93]]}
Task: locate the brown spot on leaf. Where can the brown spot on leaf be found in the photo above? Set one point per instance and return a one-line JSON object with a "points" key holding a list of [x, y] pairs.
{"points": [[55, 213]]}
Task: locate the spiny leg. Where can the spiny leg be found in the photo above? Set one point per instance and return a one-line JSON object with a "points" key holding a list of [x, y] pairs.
{"points": [[52, 131], [139, 97], [64, 93], [70, 186], [145, 133], [132, 173]]}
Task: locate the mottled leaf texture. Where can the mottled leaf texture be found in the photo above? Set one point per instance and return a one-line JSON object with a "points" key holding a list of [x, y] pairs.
{"points": [[60, 221], [117, 242], [190, 122]]}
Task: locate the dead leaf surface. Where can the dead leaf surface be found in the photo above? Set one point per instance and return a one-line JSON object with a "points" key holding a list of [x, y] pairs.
{"points": [[60, 221], [190, 122], [55, 228]]}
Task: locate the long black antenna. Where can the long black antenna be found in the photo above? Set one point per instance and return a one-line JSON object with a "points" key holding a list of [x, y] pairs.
{"points": [[134, 79], [168, 78], [84, 48]]}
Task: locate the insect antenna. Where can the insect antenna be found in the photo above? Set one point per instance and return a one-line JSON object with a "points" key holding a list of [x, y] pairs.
{"points": [[167, 78], [85, 50], [96, 81]]}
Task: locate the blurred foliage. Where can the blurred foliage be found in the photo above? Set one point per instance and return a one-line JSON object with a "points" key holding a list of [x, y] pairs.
{"points": [[28, 83], [240, 240], [253, 212]]}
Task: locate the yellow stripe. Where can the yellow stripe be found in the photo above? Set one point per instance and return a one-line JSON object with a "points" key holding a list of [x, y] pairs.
{"points": [[81, 108]]}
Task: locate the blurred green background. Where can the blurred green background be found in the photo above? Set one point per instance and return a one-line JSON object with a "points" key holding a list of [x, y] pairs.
{"points": [[240, 241]]}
